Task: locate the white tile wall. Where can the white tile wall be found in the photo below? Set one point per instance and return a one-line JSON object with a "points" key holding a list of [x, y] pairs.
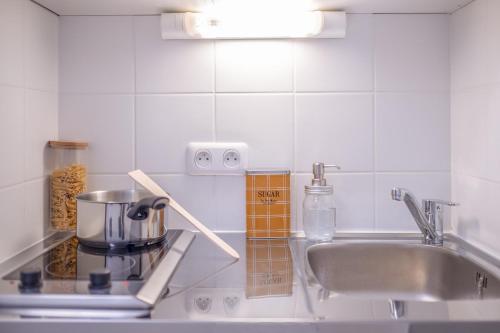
{"points": [[41, 49], [475, 122], [413, 131], [28, 119], [411, 53], [230, 203], [293, 102], [334, 128], [12, 50], [254, 66], [12, 135], [474, 45], [109, 182], [171, 66], [40, 108], [97, 54], [337, 64], [106, 122], [476, 219], [264, 122], [166, 124]]}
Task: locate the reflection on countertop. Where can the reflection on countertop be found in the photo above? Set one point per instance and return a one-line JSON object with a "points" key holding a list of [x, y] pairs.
{"points": [[271, 288], [209, 286]]}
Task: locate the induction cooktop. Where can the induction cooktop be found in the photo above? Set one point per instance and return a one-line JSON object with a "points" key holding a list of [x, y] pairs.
{"points": [[60, 277]]}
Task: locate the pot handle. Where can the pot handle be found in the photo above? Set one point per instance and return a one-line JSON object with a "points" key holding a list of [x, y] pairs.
{"points": [[140, 210]]}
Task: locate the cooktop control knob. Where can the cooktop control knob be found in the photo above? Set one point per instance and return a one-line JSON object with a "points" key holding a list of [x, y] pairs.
{"points": [[30, 280], [100, 279]]}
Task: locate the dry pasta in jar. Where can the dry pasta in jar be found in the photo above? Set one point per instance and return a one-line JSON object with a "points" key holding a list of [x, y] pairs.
{"points": [[67, 179]]}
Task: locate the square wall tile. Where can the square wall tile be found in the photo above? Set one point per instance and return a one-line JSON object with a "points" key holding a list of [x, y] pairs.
{"points": [[493, 138], [353, 198], [469, 131], [41, 126], [394, 215], [411, 52], [12, 141], [97, 54], [166, 124], [264, 122], [335, 129], [21, 231], [254, 66], [11, 42], [230, 203], [41, 51], [109, 182], [474, 45], [468, 31], [171, 65], [195, 194], [337, 64], [475, 135], [106, 122], [412, 132], [476, 219], [36, 214]]}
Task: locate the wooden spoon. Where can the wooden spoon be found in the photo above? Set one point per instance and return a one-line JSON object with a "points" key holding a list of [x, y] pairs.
{"points": [[150, 185]]}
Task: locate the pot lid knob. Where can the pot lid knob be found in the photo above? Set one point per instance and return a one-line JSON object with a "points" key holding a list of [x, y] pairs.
{"points": [[100, 279], [30, 280]]}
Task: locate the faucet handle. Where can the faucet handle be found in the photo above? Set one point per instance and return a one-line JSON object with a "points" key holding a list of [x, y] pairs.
{"points": [[427, 202], [332, 166]]}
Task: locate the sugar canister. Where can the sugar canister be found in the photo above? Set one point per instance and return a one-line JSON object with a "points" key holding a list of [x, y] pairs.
{"points": [[68, 178], [268, 203]]}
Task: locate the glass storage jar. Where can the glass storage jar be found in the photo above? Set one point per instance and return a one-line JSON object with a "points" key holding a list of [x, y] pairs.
{"points": [[319, 213], [68, 178]]}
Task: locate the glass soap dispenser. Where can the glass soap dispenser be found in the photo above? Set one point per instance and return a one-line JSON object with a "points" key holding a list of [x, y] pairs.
{"points": [[318, 207]]}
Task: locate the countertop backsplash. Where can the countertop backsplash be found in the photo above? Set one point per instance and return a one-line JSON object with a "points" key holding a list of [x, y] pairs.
{"points": [[376, 103], [28, 118], [475, 117]]}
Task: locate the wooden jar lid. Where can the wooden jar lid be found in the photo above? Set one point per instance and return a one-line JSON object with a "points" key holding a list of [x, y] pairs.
{"points": [[68, 144]]}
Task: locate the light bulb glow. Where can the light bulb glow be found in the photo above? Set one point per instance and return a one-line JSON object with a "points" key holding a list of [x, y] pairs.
{"points": [[253, 24]]}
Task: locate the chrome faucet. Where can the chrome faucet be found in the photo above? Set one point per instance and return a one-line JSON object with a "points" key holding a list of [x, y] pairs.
{"points": [[429, 219]]}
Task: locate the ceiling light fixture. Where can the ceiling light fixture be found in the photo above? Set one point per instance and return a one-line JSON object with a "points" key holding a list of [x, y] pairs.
{"points": [[253, 25]]}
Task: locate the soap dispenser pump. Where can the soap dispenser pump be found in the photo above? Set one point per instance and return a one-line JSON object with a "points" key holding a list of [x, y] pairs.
{"points": [[318, 206]]}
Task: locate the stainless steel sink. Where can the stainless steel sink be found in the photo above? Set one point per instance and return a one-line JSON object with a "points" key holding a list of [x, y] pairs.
{"points": [[400, 271]]}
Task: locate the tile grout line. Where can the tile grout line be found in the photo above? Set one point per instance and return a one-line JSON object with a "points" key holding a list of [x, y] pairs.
{"points": [[450, 121], [214, 131], [250, 93], [214, 102], [374, 125], [134, 127], [293, 185], [22, 183]]}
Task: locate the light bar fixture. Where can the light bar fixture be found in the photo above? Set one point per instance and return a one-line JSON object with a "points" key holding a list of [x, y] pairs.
{"points": [[261, 25]]}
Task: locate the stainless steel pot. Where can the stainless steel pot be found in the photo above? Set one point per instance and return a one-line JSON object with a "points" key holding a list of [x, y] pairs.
{"points": [[116, 219]]}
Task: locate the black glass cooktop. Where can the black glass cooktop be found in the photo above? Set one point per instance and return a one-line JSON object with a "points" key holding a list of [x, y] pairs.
{"points": [[72, 261]]}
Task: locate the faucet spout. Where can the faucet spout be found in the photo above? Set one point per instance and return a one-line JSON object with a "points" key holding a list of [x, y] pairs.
{"points": [[396, 193], [401, 194]]}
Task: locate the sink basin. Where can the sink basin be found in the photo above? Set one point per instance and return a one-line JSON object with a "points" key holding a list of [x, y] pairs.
{"points": [[400, 272]]}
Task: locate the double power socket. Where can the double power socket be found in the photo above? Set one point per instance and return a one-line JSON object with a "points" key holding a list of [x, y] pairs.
{"points": [[217, 158]]}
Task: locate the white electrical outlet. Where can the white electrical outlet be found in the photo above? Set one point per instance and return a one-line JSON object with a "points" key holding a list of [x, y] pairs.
{"points": [[203, 159], [216, 158], [231, 159]]}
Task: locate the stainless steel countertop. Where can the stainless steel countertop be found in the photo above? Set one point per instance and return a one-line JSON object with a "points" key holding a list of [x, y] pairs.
{"points": [[209, 292]]}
